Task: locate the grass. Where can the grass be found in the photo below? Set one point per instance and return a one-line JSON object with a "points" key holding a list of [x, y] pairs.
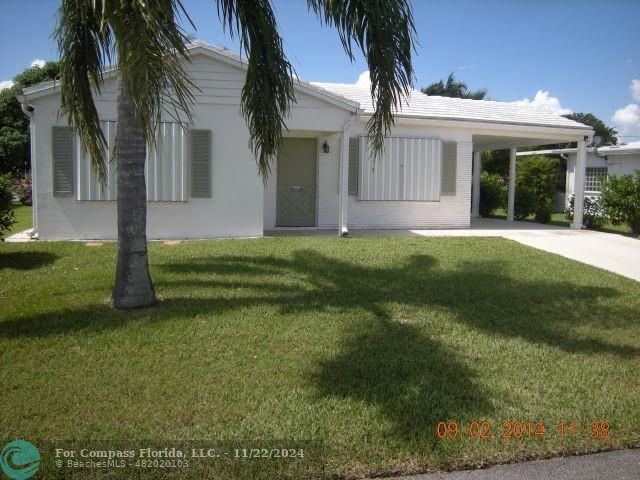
{"points": [[358, 347], [23, 218], [560, 220]]}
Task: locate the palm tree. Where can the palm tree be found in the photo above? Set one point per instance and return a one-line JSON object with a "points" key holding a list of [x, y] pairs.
{"points": [[455, 89], [146, 42]]}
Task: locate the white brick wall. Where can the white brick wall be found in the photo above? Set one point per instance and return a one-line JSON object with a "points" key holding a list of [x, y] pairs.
{"points": [[449, 212]]}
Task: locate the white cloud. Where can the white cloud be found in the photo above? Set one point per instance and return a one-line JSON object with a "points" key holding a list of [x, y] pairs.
{"points": [[627, 120], [38, 62], [6, 84], [545, 102], [364, 80], [635, 89]]}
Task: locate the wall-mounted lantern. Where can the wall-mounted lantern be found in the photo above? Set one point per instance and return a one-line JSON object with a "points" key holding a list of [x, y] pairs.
{"points": [[325, 147]]}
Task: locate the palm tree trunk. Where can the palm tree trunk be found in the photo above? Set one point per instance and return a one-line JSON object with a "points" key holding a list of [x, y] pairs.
{"points": [[133, 287]]}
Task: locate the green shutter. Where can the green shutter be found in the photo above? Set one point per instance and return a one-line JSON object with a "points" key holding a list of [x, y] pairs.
{"points": [[354, 157], [62, 155], [449, 161], [201, 163]]}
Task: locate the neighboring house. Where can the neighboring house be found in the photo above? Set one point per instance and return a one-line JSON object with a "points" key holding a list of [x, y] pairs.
{"points": [[610, 160], [203, 181]]}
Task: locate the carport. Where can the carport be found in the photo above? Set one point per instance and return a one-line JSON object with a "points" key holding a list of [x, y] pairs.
{"points": [[523, 135]]}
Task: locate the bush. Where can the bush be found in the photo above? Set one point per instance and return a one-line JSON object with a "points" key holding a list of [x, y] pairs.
{"points": [[7, 218], [493, 193], [620, 199], [525, 202], [593, 215], [538, 174], [22, 189]]}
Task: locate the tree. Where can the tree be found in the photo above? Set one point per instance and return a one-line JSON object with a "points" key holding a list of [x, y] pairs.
{"points": [[15, 154], [609, 135], [7, 218], [146, 42], [537, 173], [620, 199], [455, 89]]}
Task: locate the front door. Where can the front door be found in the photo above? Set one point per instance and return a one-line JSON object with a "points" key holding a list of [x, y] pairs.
{"points": [[296, 183]]}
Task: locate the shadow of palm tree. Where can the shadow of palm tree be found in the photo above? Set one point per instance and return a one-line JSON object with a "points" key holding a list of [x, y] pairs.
{"points": [[412, 379], [383, 361], [26, 260]]}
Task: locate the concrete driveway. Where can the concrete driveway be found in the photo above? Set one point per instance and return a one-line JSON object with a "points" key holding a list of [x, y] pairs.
{"points": [[616, 253]]}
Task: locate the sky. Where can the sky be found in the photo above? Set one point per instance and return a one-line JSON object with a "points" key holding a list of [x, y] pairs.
{"points": [[562, 55]]}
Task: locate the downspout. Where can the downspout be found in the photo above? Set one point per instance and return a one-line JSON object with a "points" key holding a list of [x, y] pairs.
{"points": [[343, 178], [29, 111], [595, 152]]}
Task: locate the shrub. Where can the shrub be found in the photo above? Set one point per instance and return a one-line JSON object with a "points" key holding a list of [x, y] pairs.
{"points": [[593, 215], [620, 199], [23, 189], [538, 173], [493, 193], [7, 218], [525, 202]]}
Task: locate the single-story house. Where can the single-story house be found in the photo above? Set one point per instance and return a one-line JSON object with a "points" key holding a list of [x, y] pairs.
{"points": [[203, 182], [615, 160]]}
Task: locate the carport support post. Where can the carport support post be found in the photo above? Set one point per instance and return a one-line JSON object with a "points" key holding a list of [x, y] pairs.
{"points": [[511, 204], [578, 186], [475, 199]]}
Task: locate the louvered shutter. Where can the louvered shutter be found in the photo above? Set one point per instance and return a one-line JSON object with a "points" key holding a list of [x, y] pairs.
{"points": [[449, 164], [354, 157], [201, 163], [62, 155]]}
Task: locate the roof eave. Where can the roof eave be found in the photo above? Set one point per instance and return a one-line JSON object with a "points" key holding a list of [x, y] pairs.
{"points": [[48, 88]]}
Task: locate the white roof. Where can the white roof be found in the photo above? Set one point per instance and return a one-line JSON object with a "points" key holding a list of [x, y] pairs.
{"points": [[420, 105], [357, 98], [626, 149]]}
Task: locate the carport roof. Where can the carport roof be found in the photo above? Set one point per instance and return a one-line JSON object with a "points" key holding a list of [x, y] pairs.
{"points": [[420, 105]]}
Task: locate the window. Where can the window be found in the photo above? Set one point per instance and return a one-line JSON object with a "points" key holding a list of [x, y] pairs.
{"points": [[409, 169], [165, 167], [594, 178]]}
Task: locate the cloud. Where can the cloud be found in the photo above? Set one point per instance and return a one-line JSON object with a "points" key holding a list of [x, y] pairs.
{"points": [[38, 62], [546, 103], [364, 80], [6, 84], [635, 89], [627, 120]]}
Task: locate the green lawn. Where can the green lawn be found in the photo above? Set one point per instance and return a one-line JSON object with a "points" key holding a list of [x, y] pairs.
{"points": [[560, 220], [23, 218], [355, 347]]}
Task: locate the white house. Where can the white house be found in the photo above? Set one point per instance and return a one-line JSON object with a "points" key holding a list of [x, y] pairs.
{"points": [[610, 160], [203, 181]]}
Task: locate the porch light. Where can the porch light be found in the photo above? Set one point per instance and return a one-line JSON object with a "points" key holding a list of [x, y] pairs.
{"points": [[325, 147]]}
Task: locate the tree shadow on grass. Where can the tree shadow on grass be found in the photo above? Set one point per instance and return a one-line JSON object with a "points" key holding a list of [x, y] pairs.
{"points": [[480, 293], [383, 361], [26, 260], [412, 379]]}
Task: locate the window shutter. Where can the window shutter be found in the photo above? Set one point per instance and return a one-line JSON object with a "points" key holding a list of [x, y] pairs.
{"points": [[354, 157], [449, 161], [62, 155], [201, 163]]}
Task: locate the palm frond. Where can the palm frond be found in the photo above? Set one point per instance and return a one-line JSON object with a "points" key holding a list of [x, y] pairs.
{"points": [[268, 90], [85, 44], [150, 45], [384, 32], [146, 41]]}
